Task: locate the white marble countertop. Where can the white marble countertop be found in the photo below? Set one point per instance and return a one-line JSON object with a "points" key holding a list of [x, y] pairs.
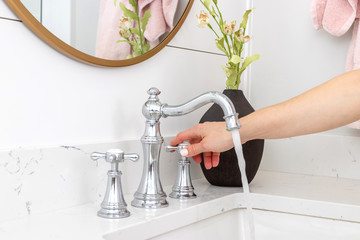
{"points": [[291, 193]]}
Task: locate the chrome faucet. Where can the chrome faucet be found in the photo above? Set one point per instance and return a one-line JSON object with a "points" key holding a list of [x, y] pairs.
{"points": [[114, 206], [150, 193], [183, 188]]}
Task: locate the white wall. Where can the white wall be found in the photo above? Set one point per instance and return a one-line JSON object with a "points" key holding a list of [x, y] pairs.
{"points": [[295, 58], [56, 111]]}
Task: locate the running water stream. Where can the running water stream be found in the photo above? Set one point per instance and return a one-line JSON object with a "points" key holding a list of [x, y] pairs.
{"points": [[245, 183]]}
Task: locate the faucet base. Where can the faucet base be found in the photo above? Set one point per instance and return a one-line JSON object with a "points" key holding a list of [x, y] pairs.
{"points": [[114, 213], [183, 192], [150, 201], [183, 195]]}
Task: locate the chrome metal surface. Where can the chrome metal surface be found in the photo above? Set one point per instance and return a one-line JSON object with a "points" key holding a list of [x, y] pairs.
{"points": [[114, 205], [223, 101], [182, 188], [150, 193]]}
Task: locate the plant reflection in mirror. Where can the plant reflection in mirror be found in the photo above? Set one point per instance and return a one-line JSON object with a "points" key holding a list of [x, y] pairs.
{"points": [[230, 41], [134, 35]]}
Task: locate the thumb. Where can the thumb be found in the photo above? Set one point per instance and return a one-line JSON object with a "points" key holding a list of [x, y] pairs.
{"points": [[192, 150]]}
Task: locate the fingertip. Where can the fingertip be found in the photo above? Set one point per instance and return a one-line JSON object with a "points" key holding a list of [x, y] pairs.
{"points": [[215, 159], [207, 164], [174, 142]]}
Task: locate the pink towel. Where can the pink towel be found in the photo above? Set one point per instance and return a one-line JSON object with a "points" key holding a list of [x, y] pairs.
{"points": [[336, 17], [160, 22], [162, 17], [108, 32]]}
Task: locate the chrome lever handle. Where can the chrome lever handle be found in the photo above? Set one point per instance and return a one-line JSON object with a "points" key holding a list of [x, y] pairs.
{"points": [[96, 156], [170, 148], [177, 148], [132, 157], [114, 156]]}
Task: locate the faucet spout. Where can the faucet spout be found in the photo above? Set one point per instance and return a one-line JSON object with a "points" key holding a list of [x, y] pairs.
{"points": [[223, 101]]}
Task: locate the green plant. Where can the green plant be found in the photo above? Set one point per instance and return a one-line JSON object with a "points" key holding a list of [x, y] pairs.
{"points": [[134, 35], [230, 41]]}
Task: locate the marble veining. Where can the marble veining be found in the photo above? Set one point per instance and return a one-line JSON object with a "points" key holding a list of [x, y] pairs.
{"points": [[68, 147], [21, 163], [28, 207], [38, 180]]}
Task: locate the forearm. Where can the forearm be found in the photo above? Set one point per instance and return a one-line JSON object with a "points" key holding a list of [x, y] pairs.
{"points": [[330, 105]]}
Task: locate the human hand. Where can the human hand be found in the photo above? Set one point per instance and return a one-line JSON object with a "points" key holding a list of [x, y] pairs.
{"points": [[209, 138]]}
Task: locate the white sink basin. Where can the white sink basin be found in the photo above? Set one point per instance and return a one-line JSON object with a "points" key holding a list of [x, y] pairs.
{"points": [[269, 225]]}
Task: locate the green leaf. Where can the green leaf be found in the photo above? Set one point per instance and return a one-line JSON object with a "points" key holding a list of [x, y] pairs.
{"points": [[233, 79], [115, 2], [146, 47], [145, 19], [137, 52], [135, 31], [215, 1], [245, 19], [127, 41], [133, 3], [248, 61], [235, 59], [237, 42], [214, 12], [127, 12], [220, 45], [129, 56], [207, 3], [225, 70]]}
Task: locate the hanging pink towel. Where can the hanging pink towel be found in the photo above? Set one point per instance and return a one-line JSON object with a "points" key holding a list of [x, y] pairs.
{"points": [[336, 17], [160, 22], [108, 32], [162, 18]]}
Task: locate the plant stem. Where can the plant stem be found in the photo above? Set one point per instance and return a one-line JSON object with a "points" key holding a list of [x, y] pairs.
{"points": [[213, 30], [139, 26], [219, 11], [232, 43], [221, 27], [240, 50], [228, 45]]}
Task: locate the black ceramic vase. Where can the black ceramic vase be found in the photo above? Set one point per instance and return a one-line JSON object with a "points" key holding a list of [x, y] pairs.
{"points": [[227, 173]]}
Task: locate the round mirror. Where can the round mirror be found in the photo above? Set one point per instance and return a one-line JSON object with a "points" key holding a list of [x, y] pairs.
{"points": [[110, 33]]}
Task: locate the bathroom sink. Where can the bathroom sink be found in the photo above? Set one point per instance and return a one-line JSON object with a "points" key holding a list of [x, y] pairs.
{"points": [[269, 225]]}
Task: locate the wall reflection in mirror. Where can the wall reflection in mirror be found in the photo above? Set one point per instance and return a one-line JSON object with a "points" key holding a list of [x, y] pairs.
{"points": [[98, 27]]}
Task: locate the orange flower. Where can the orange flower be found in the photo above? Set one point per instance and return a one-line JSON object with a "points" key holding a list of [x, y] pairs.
{"points": [[203, 19], [229, 28], [125, 25]]}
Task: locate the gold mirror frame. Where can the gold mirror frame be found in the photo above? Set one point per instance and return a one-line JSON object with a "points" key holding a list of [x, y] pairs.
{"points": [[36, 27]]}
